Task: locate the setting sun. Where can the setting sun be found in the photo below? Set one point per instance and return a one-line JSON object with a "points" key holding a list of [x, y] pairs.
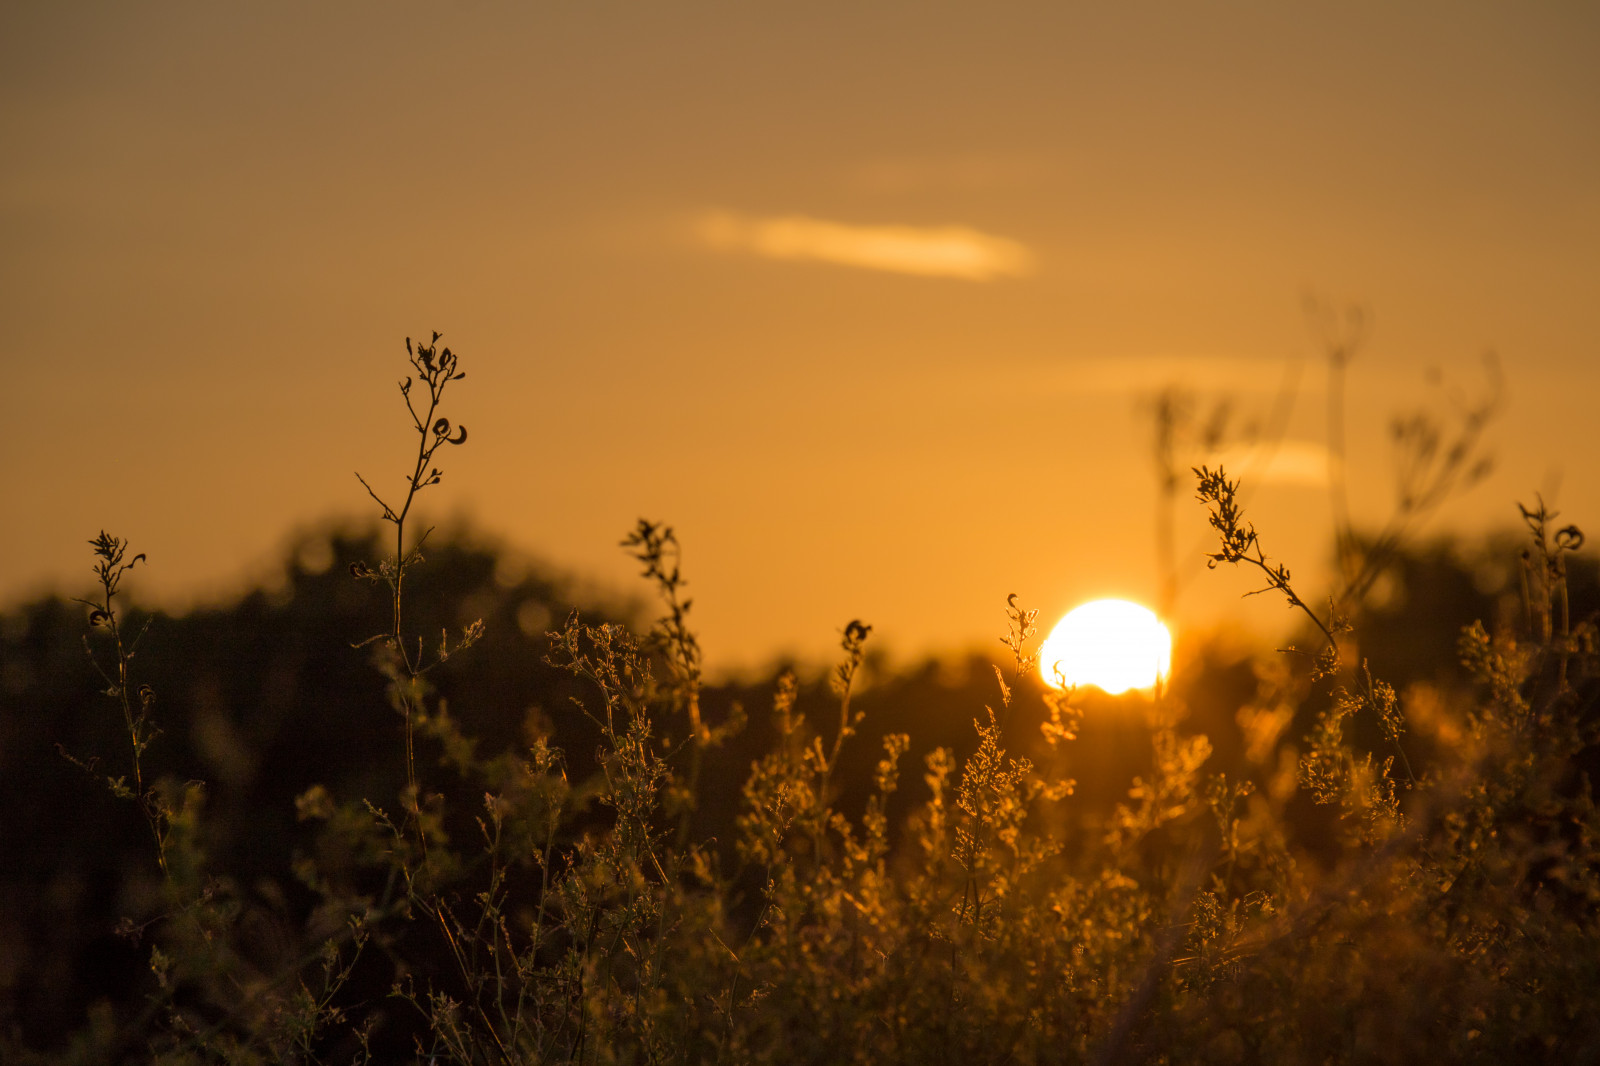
{"points": [[1111, 644]]}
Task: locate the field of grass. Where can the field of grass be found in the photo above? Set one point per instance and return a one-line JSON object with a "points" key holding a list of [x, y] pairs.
{"points": [[416, 810]]}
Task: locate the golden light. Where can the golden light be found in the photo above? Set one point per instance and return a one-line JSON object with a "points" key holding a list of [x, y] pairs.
{"points": [[1111, 644]]}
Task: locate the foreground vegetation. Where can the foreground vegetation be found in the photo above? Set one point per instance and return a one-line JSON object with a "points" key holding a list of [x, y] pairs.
{"points": [[1329, 869]]}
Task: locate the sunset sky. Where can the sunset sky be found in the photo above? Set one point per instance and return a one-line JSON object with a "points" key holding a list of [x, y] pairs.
{"points": [[864, 299]]}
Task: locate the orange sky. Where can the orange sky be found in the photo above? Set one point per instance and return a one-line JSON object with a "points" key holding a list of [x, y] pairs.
{"points": [[861, 297]]}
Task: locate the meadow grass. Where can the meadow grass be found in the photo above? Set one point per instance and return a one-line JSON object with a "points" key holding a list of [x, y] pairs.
{"points": [[1415, 878]]}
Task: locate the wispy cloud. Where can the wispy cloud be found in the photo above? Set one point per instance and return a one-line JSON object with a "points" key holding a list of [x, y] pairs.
{"points": [[1292, 462], [927, 251]]}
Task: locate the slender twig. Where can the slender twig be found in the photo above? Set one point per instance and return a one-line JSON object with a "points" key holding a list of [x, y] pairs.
{"points": [[435, 369]]}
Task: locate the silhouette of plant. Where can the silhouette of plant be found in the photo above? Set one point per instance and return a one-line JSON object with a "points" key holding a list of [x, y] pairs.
{"points": [[1411, 874]]}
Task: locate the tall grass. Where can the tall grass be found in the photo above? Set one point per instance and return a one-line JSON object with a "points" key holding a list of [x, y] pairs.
{"points": [[530, 905]]}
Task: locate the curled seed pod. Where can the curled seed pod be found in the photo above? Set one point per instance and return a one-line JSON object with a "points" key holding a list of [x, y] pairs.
{"points": [[97, 617], [460, 437], [359, 570], [1569, 538], [441, 428], [147, 695]]}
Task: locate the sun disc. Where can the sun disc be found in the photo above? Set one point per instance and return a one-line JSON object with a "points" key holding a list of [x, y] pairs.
{"points": [[1113, 645]]}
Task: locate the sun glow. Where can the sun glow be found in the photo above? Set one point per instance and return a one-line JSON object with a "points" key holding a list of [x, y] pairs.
{"points": [[1111, 644]]}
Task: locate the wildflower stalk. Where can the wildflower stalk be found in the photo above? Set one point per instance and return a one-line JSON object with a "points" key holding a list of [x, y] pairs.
{"points": [[1546, 561], [1240, 544], [434, 369], [1326, 768], [656, 546], [844, 676], [135, 705]]}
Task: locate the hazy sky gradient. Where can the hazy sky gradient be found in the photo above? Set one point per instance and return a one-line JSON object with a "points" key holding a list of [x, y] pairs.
{"points": [[220, 221]]}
